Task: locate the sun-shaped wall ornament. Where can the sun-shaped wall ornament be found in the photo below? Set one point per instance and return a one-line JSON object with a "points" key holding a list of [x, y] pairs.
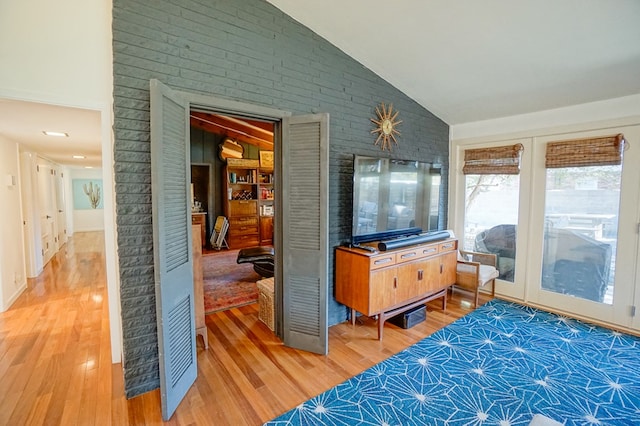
{"points": [[387, 122]]}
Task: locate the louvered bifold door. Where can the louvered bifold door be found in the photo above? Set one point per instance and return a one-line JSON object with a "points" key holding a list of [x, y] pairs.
{"points": [[170, 183], [305, 180]]}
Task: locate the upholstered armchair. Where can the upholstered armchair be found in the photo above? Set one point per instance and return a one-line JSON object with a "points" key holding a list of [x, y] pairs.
{"points": [[475, 270]]}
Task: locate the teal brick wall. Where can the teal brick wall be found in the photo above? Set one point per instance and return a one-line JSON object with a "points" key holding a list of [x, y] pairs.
{"points": [[245, 50]]}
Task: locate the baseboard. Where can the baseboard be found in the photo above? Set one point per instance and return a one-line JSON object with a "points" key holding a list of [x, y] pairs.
{"points": [[14, 297], [76, 231], [586, 319]]}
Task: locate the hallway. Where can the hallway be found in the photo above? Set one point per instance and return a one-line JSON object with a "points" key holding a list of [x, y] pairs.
{"points": [[55, 360]]}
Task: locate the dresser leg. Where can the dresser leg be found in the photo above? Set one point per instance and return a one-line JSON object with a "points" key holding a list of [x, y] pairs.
{"points": [[353, 316], [381, 319], [202, 331]]}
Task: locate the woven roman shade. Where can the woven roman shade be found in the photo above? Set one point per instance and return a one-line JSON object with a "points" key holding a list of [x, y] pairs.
{"points": [[501, 160], [604, 151]]}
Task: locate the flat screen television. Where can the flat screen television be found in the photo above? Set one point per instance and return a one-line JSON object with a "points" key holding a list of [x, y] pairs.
{"points": [[394, 198]]}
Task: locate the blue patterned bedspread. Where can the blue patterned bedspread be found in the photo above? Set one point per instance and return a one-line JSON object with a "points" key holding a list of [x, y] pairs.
{"points": [[500, 365]]}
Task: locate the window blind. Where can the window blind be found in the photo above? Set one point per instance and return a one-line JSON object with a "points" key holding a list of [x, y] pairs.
{"points": [[603, 151], [502, 160]]}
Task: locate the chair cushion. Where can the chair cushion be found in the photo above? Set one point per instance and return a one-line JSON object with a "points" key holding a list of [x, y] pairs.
{"points": [[486, 273], [253, 254]]}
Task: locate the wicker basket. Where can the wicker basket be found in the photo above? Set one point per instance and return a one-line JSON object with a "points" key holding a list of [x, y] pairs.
{"points": [[265, 302]]}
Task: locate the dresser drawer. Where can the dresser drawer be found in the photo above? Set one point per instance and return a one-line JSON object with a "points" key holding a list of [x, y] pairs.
{"points": [[382, 261], [243, 229], [448, 246], [409, 255], [239, 241], [243, 208], [243, 221], [430, 250]]}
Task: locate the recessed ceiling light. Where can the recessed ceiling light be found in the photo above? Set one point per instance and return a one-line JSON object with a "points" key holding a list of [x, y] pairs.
{"points": [[57, 134], [88, 167], [79, 157]]}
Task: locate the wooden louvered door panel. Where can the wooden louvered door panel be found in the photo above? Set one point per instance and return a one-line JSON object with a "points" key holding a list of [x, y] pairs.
{"points": [[172, 249], [305, 183]]}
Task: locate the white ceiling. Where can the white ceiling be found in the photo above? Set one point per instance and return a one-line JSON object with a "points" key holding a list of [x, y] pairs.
{"points": [[24, 122], [470, 60], [463, 60]]}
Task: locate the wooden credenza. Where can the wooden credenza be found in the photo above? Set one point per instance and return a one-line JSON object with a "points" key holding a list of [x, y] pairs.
{"points": [[390, 282]]}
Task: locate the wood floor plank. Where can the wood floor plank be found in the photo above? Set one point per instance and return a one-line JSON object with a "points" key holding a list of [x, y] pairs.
{"points": [[55, 355]]}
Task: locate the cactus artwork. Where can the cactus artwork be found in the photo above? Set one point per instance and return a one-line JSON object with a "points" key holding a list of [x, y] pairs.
{"points": [[93, 193]]}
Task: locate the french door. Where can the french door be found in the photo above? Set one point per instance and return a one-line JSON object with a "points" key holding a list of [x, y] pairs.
{"points": [[583, 241]]}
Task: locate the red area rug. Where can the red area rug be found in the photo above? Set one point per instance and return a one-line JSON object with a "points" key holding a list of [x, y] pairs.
{"points": [[227, 284]]}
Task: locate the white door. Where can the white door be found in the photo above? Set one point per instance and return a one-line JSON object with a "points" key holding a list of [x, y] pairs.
{"points": [[587, 235], [305, 200], [173, 261], [61, 217], [46, 206]]}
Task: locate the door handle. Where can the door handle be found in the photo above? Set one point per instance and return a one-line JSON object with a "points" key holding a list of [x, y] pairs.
{"points": [[48, 217], [395, 282], [420, 273]]}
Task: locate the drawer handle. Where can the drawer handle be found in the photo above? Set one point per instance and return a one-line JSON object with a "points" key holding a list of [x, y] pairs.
{"points": [[407, 255], [381, 261], [446, 246], [429, 250]]}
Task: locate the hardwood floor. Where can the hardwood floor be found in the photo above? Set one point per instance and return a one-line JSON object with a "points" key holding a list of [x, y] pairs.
{"points": [[55, 363]]}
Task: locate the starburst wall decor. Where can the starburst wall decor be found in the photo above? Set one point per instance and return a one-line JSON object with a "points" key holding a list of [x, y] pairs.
{"points": [[386, 122]]}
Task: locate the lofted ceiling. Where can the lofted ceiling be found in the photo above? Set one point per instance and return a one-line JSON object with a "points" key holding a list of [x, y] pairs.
{"points": [[463, 60], [468, 60]]}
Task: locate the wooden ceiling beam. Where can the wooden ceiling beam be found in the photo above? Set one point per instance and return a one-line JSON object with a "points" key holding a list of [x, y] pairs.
{"points": [[236, 129]]}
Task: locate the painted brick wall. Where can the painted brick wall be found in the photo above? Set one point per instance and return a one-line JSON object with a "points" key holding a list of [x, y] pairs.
{"points": [[245, 50]]}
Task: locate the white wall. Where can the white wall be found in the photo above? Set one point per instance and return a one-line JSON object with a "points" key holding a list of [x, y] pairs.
{"points": [[54, 51], [84, 220], [12, 265], [60, 53], [574, 118]]}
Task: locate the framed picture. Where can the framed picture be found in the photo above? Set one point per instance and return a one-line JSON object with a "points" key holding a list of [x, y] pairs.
{"points": [[87, 194], [266, 159]]}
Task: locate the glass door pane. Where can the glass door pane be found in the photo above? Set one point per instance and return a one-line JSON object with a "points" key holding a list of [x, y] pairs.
{"points": [[580, 231], [491, 215]]}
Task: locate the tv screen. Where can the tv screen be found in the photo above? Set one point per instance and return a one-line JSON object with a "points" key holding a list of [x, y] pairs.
{"points": [[394, 198]]}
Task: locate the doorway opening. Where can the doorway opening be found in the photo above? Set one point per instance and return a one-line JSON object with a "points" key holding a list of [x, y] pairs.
{"points": [[232, 181]]}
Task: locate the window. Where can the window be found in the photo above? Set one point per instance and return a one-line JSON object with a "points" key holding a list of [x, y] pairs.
{"points": [[492, 192], [581, 217]]}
